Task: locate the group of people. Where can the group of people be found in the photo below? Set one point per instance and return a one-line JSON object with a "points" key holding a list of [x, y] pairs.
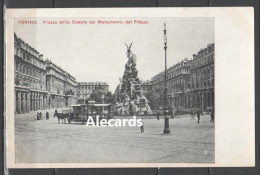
{"points": [[39, 115], [199, 112]]}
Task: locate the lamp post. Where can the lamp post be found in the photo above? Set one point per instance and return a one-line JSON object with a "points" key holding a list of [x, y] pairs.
{"points": [[166, 117], [103, 97]]}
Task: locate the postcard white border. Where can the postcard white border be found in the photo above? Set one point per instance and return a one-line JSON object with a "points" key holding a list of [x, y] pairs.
{"points": [[234, 81]]}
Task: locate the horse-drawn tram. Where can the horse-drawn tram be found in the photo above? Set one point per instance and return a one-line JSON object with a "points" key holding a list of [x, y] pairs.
{"points": [[81, 112]]}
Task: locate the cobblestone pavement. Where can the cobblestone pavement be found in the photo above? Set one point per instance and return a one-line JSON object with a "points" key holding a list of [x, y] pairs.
{"points": [[46, 141]]}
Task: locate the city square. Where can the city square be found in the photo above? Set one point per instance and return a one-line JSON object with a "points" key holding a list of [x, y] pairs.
{"points": [[174, 103], [44, 141]]}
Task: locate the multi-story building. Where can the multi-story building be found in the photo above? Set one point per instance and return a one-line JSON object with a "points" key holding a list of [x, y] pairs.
{"points": [[178, 84], [86, 88], [60, 85], [70, 87], [146, 87], [40, 84], [157, 86], [202, 78], [30, 78], [190, 83]]}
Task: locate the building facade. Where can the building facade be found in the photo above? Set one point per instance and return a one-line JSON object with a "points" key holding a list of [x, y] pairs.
{"points": [[190, 83], [157, 86], [178, 85], [202, 78], [86, 88], [40, 84], [30, 78], [146, 87], [62, 87]]}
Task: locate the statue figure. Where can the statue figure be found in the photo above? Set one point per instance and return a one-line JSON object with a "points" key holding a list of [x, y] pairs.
{"points": [[131, 57], [130, 89]]}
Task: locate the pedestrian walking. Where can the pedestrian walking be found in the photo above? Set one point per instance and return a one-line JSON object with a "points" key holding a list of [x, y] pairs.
{"points": [[55, 112], [158, 116], [47, 115], [198, 115], [142, 127], [38, 116]]}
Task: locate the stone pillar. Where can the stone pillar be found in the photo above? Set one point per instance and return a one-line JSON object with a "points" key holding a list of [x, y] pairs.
{"points": [[25, 102], [44, 102], [33, 101], [32, 96], [19, 102], [53, 102], [40, 101], [36, 102], [49, 102], [28, 102], [22, 102]]}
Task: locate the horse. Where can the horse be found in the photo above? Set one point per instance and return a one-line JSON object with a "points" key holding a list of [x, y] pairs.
{"points": [[61, 116]]}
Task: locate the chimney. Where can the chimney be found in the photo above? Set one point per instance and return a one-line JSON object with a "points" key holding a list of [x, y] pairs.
{"points": [[41, 56], [195, 56]]}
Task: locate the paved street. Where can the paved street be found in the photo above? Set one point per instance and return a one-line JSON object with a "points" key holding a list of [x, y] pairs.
{"points": [[47, 141]]}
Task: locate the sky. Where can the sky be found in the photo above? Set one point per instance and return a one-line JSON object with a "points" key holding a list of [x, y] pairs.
{"points": [[97, 52]]}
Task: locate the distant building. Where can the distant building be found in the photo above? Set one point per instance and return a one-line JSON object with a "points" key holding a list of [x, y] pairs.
{"points": [[40, 84], [190, 83], [202, 78], [178, 84], [157, 83], [86, 88], [70, 87], [146, 87], [30, 78], [62, 87]]}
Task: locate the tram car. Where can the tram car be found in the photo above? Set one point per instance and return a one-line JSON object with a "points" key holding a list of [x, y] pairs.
{"points": [[81, 112]]}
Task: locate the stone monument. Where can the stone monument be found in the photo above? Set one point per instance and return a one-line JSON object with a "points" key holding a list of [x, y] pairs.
{"points": [[131, 98]]}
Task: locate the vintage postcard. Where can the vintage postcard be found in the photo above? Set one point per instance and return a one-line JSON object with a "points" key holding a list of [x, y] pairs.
{"points": [[132, 87]]}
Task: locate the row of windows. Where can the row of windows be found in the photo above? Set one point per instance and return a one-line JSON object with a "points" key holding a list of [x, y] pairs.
{"points": [[179, 72], [202, 61], [203, 84], [170, 75], [25, 69], [28, 49], [204, 73], [31, 83], [54, 73], [29, 58], [93, 87], [89, 91]]}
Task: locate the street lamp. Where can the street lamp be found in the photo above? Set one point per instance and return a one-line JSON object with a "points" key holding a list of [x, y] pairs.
{"points": [[103, 97], [166, 117]]}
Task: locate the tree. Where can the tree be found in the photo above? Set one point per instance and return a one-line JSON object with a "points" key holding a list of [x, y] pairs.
{"points": [[110, 98], [96, 96], [153, 99]]}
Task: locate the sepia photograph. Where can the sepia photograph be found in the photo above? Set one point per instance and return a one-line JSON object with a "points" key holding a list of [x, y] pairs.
{"points": [[114, 90]]}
